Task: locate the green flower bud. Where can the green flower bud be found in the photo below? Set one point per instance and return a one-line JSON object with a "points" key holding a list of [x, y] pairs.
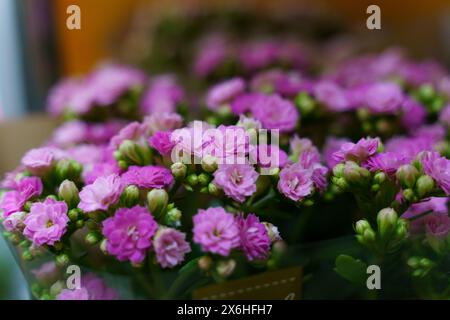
{"points": [[407, 175], [356, 175], [73, 214], [92, 238], [338, 170], [426, 93], [341, 183], [79, 224], [130, 196], [62, 260], [157, 201], [387, 222], [226, 268], [408, 194], [173, 217], [192, 179], [361, 226], [67, 169], [117, 155], [135, 153], [104, 246], [413, 262], [178, 170], [305, 103], [213, 189], [27, 256], [273, 232], [27, 206], [204, 179], [209, 163], [424, 185], [68, 192], [379, 177]]}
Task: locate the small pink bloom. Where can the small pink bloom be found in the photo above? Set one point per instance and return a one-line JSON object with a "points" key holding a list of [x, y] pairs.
{"points": [[170, 247], [148, 177], [255, 240], [238, 181], [105, 191]]}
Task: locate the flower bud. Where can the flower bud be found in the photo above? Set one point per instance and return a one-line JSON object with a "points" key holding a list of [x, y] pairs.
{"points": [[173, 217], [103, 246], [205, 263], [338, 170], [204, 179], [387, 222], [209, 163], [354, 174], [379, 177], [62, 260], [407, 175], [408, 194], [413, 262], [92, 238], [192, 179], [273, 232], [130, 196], [73, 214], [305, 103], [226, 268], [361, 226], [213, 189], [157, 200], [129, 151], [424, 185], [178, 170], [68, 192], [27, 256], [67, 169]]}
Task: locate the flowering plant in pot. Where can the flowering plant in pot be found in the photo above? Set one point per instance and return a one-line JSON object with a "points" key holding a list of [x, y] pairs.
{"points": [[150, 201]]}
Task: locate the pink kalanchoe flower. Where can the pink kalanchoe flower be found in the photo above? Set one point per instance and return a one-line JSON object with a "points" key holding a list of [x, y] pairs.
{"points": [[299, 145], [101, 133], [216, 231], [258, 54], [162, 121], [382, 98], [245, 102], [387, 162], [97, 288], [409, 147], [358, 152], [266, 80], [255, 240], [12, 202], [161, 142], [413, 114], [148, 177], [224, 92], [309, 160], [275, 112], [38, 161], [268, 156], [105, 191], [14, 221], [75, 294], [438, 168], [47, 222], [86, 154], [97, 170], [434, 133], [162, 96], [30, 187], [437, 205], [332, 96], [128, 233], [437, 225], [26, 188], [238, 181], [170, 247], [213, 51], [133, 131], [70, 133], [60, 95], [296, 182], [332, 145]]}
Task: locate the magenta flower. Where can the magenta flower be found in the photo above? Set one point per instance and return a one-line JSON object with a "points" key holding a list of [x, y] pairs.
{"points": [[162, 121], [299, 145], [105, 191], [97, 288], [296, 182], [258, 54], [434, 208], [97, 170], [438, 168], [216, 231], [14, 221], [332, 145], [38, 161], [332, 96], [213, 52], [238, 181], [358, 152], [163, 95], [413, 114], [382, 98], [255, 240], [437, 225], [387, 162], [434, 204], [310, 161], [161, 142], [12, 202], [275, 112], [26, 189], [444, 116], [148, 177], [245, 102], [75, 294], [133, 131], [70, 133], [170, 247], [224, 92], [129, 232], [268, 156], [47, 273], [61, 94], [47, 222], [409, 147]]}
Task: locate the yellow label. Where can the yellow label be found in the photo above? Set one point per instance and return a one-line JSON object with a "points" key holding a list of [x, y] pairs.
{"points": [[284, 284]]}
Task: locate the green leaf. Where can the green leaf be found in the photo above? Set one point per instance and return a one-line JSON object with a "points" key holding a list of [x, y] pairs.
{"points": [[351, 269]]}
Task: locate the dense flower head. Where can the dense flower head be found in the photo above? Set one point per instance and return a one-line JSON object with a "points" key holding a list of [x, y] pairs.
{"points": [[438, 168], [298, 146], [104, 192], [133, 131], [161, 142], [275, 112], [224, 92], [216, 231], [334, 97], [129, 233], [383, 98], [101, 169], [40, 160], [332, 145], [170, 247], [147, 177], [238, 181], [387, 162], [296, 182], [243, 103], [255, 240], [359, 152], [25, 189], [47, 222]]}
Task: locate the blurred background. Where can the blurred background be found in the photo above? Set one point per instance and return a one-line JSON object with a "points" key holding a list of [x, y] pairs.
{"points": [[37, 49]]}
